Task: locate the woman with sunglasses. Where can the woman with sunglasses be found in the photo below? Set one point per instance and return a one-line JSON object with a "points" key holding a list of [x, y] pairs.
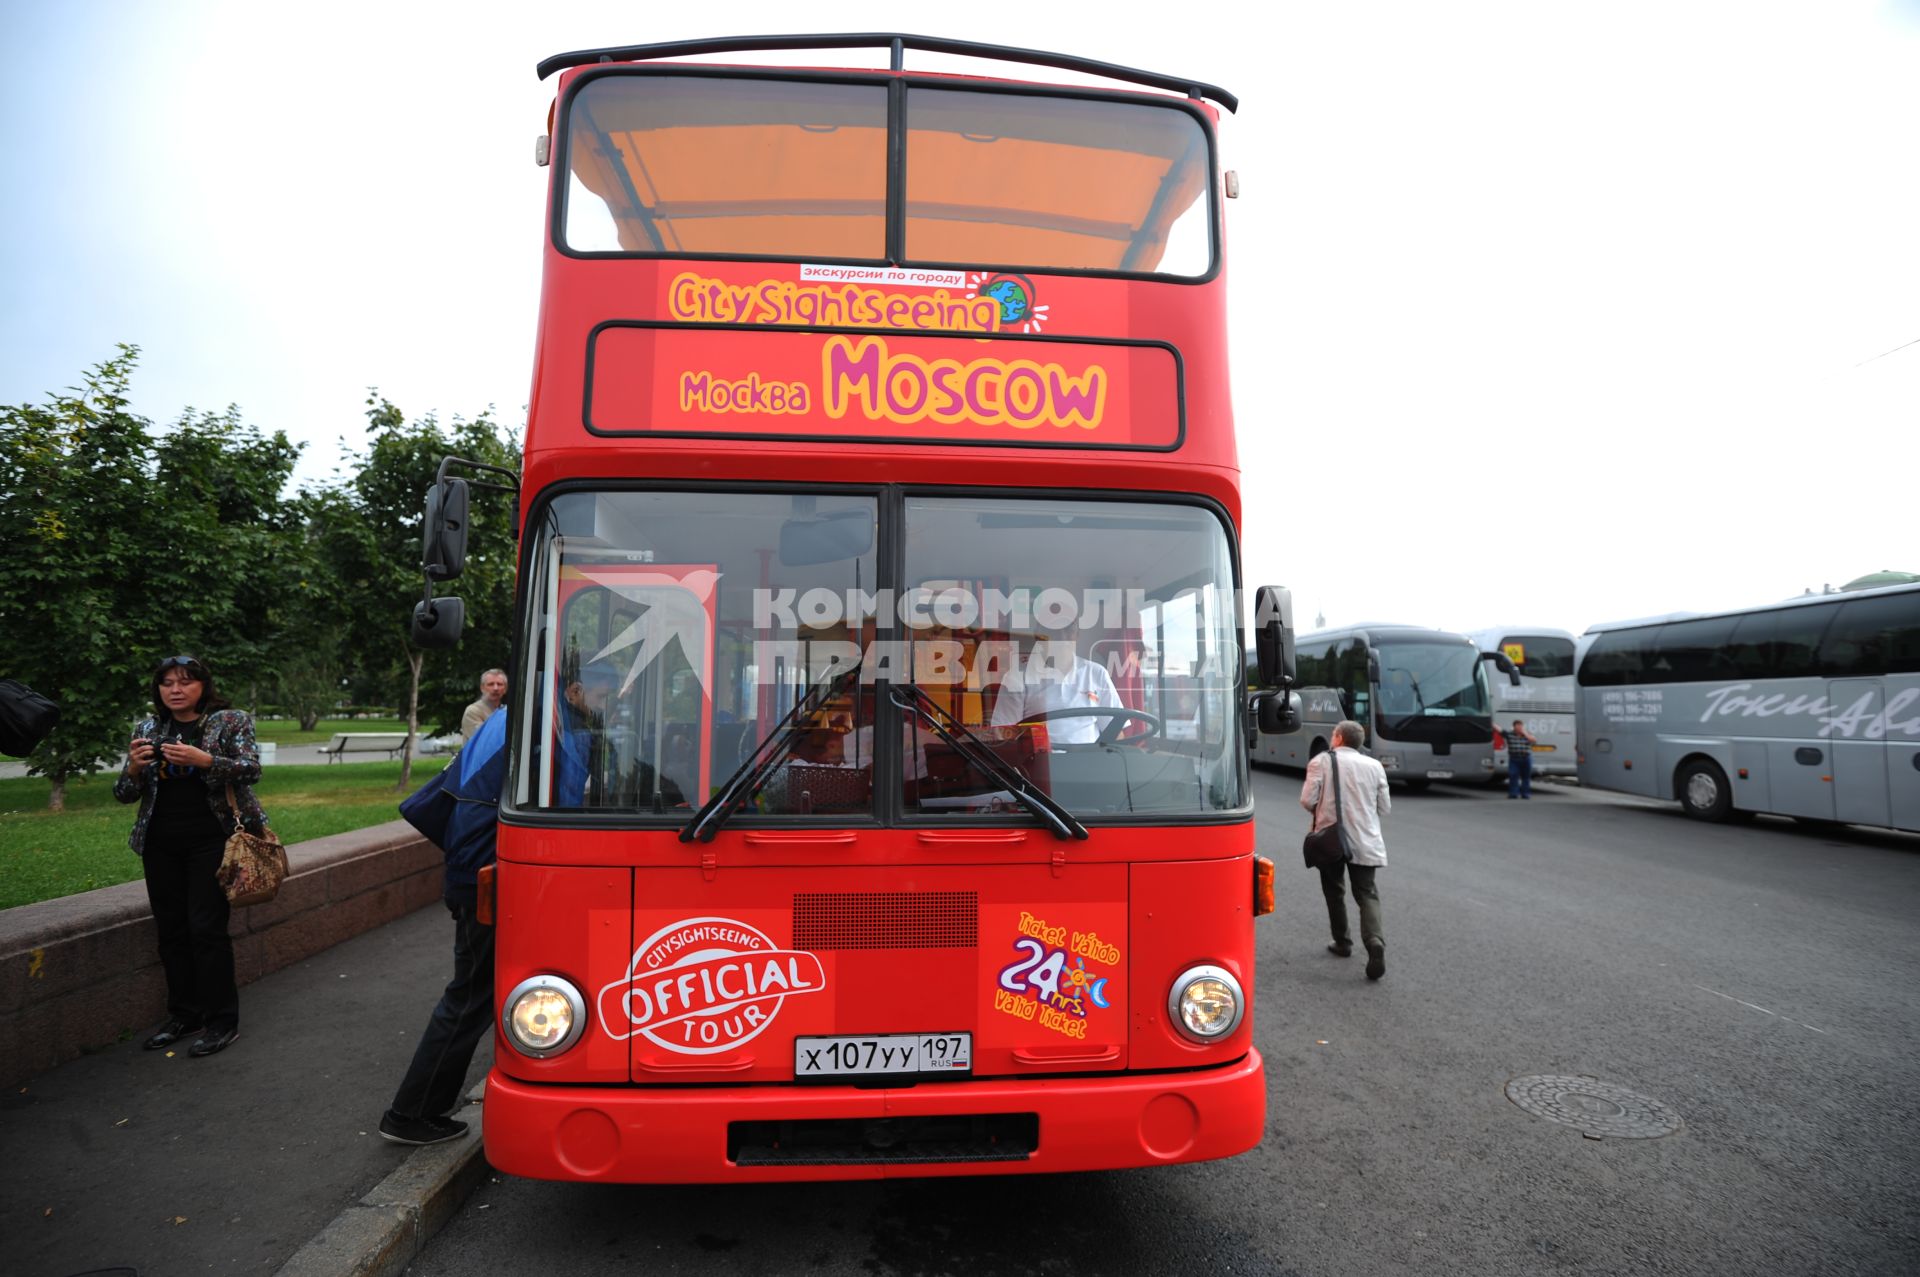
{"points": [[190, 765]]}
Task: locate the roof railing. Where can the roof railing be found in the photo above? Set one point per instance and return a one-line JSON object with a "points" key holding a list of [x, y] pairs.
{"points": [[898, 44]]}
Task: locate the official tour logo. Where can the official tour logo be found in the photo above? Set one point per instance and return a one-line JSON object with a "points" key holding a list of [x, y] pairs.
{"points": [[701, 986]]}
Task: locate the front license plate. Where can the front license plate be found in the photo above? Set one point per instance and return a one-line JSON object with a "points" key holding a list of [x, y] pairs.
{"points": [[1439, 775], [883, 1055]]}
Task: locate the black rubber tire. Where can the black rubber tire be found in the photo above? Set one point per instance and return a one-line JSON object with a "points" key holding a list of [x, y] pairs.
{"points": [[1703, 790]]}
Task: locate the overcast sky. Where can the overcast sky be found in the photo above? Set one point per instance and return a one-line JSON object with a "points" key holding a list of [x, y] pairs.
{"points": [[1543, 313]]}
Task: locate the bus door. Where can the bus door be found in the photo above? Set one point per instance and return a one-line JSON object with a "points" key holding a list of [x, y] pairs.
{"points": [[1859, 763]]}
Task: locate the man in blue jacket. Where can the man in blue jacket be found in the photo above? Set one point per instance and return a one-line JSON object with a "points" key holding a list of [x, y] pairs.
{"points": [[431, 1088]]}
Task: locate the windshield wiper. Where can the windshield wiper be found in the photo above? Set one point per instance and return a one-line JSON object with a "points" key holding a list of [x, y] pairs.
{"points": [[978, 755], [770, 753]]}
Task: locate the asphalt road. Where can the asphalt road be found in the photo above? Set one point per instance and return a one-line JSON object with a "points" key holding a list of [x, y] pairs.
{"points": [[1758, 980]]}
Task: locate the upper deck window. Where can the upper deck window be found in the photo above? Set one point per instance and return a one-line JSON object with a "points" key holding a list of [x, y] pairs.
{"points": [[710, 166], [1055, 183]]}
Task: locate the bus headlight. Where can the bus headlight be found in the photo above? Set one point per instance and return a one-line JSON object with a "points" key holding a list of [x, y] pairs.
{"points": [[544, 1016], [1206, 1003]]}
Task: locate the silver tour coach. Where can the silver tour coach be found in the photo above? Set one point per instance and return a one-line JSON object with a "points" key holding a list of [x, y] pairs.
{"points": [[1544, 697], [1809, 708], [1421, 694]]}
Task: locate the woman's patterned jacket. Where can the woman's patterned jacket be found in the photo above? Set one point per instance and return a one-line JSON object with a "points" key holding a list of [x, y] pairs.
{"points": [[228, 736]]}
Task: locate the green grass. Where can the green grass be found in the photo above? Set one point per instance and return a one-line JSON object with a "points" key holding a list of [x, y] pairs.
{"points": [[44, 855]]}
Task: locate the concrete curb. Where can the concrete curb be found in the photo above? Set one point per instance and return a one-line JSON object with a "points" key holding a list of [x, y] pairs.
{"points": [[382, 1233]]}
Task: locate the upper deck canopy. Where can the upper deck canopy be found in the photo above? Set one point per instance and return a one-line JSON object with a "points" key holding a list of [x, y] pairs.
{"points": [[728, 162]]}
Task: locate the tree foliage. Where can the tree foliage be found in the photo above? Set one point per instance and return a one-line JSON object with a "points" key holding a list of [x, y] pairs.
{"points": [[369, 531], [124, 546]]}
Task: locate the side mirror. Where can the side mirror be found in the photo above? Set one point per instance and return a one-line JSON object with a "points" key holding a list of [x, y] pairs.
{"points": [[443, 549], [1273, 635], [1503, 663], [437, 623], [1280, 712], [1373, 666]]}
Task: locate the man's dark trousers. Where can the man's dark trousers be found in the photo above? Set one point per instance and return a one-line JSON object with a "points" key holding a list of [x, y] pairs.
{"points": [[432, 1085], [1520, 775], [1364, 894]]}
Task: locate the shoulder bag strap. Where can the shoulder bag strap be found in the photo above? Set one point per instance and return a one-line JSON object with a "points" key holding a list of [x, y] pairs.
{"points": [[1333, 761], [233, 808]]}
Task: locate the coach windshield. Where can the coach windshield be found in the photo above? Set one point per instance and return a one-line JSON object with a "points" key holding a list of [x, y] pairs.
{"points": [[682, 640], [1430, 680], [1091, 646]]}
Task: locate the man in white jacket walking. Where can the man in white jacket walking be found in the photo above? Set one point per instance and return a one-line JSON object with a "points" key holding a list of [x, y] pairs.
{"points": [[1362, 802]]}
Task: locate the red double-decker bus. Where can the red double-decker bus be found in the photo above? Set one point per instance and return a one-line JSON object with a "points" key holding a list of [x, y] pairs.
{"points": [[879, 789]]}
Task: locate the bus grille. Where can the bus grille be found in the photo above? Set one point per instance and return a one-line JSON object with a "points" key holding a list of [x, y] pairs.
{"points": [[825, 920], [976, 1137]]}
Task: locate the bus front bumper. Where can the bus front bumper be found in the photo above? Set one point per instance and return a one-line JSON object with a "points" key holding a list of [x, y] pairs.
{"points": [[683, 1135]]}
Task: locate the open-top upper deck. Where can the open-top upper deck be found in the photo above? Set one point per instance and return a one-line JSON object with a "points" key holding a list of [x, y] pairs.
{"points": [[751, 269]]}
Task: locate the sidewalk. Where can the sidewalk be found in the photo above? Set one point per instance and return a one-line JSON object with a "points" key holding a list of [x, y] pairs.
{"points": [[233, 1163]]}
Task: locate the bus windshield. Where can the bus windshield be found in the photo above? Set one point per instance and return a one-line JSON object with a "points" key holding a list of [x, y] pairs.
{"points": [[1539, 655], [1430, 680], [1089, 645], [711, 165]]}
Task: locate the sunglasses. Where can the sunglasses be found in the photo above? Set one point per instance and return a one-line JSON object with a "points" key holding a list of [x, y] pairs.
{"points": [[188, 663]]}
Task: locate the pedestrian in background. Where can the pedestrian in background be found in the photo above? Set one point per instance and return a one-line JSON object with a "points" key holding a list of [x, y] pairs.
{"points": [[1520, 743], [185, 762], [493, 693], [1362, 801]]}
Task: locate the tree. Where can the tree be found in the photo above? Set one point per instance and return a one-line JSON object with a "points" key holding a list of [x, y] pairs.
{"points": [[235, 552], [370, 530], [123, 547]]}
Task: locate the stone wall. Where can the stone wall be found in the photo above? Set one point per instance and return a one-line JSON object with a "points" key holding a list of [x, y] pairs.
{"points": [[82, 972]]}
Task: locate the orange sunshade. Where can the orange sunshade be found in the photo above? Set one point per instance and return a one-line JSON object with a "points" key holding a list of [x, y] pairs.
{"points": [[1017, 181]]}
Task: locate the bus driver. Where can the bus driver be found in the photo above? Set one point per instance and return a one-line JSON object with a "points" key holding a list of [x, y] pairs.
{"points": [[1062, 679]]}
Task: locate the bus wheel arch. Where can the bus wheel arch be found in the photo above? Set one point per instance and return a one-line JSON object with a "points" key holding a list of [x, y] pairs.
{"points": [[1702, 787]]}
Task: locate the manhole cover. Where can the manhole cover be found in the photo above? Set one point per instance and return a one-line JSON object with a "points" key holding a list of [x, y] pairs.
{"points": [[1598, 1108]]}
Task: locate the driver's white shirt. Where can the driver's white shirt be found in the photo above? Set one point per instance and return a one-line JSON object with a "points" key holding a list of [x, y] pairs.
{"points": [[1086, 686]]}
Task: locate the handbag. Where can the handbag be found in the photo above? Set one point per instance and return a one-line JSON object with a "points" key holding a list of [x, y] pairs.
{"points": [[253, 865], [1327, 847]]}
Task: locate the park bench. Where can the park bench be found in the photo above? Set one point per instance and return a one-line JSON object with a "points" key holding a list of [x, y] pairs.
{"points": [[388, 743]]}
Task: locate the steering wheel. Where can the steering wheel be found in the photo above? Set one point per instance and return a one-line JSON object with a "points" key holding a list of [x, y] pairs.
{"points": [[1111, 732]]}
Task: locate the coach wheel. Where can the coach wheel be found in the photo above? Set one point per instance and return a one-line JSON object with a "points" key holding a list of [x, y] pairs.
{"points": [[1703, 789]]}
